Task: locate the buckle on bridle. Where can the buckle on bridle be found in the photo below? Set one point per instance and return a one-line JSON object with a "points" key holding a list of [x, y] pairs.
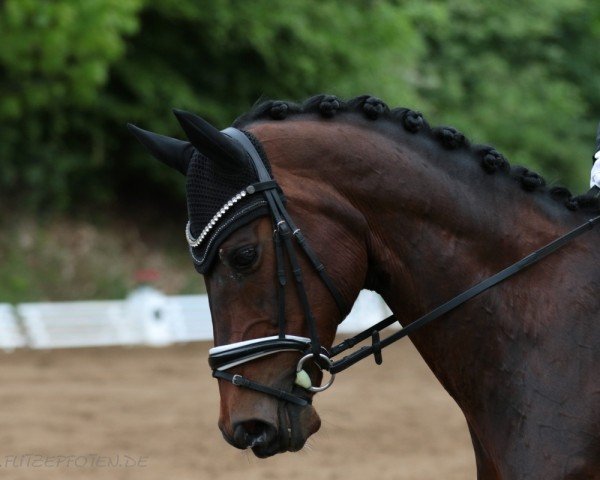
{"points": [[303, 379], [282, 228], [237, 380]]}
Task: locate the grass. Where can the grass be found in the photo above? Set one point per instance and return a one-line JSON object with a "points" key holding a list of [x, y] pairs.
{"points": [[67, 259]]}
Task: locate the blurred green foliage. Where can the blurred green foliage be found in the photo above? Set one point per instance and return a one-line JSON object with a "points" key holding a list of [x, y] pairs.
{"points": [[523, 76], [55, 60]]}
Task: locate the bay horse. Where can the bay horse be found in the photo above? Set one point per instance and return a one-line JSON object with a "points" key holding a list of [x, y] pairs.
{"points": [[385, 202]]}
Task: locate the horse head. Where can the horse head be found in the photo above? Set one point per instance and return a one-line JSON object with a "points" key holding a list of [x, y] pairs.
{"points": [[262, 228]]}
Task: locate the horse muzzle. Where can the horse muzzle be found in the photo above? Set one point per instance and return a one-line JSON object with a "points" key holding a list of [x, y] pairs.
{"points": [[294, 425]]}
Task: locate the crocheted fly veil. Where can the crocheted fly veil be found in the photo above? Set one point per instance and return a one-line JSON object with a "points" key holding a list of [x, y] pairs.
{"points": [[219, 202], [219, 176]]}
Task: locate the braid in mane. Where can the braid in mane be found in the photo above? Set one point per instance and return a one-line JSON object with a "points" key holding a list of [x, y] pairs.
{"points": [[325, 105], [373, 108], [411, 120], [450, 138], [492, 161]]}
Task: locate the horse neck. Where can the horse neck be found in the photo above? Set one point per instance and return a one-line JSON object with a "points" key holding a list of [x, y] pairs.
{"points": [[434, 217], [436, 224]]}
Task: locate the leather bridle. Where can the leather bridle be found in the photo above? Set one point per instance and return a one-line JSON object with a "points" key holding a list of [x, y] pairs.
{"points": [[285, 235]]}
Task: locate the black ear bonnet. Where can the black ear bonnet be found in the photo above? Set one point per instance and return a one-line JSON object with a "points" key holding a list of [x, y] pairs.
{"points": [[220, 178], [219, 203]]}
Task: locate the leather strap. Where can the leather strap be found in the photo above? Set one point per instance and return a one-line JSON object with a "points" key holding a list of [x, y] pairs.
{"points": [[281, 283], [261, 170], [217, 360], [262, 186], [314, 260], [265, 177], [240, 381], [525, 262]]}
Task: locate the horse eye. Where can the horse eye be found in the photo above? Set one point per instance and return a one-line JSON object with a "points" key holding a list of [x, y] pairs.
{"points": [[244, 257]]}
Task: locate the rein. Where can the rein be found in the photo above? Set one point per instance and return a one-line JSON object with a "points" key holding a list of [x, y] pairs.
{"points": [[373, 332], [224, 357]]}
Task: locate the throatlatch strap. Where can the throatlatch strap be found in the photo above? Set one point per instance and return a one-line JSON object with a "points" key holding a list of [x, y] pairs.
{"points": [[240, 381]]}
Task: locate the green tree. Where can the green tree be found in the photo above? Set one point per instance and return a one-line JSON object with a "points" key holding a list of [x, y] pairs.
{"points": [[521, 75], [75, 72], [218, 58], [505, 72], [54, 59]]}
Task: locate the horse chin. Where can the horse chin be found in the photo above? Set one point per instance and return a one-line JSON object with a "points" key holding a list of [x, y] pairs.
{"points": [[302, 423], [296, 424]]}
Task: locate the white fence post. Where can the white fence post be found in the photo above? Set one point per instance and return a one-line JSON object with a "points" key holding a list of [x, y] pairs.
{"points": [[10, 334]]}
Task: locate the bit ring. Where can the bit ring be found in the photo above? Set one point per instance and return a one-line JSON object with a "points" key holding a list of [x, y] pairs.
{"points": [[323, 357]]}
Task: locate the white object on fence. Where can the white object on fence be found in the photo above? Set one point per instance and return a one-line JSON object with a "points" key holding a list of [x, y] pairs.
{"points": [[368, 309], [149, 312], [10, 334]]}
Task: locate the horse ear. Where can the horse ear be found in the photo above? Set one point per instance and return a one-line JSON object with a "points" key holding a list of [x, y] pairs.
{"points": [[210, 141], [172, 152]]}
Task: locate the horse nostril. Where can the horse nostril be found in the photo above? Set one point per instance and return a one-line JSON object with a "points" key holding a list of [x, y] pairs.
{"points": [[253, 433]]}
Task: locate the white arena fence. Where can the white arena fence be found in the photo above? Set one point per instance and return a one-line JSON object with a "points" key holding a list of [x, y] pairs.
{"points": [[145, 317]]}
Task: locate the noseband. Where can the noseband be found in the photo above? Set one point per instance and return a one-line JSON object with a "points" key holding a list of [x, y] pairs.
{"points": [[285, 234]]}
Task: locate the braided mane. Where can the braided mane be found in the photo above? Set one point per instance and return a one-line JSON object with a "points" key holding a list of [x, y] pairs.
{"points": [[491, 161]]}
